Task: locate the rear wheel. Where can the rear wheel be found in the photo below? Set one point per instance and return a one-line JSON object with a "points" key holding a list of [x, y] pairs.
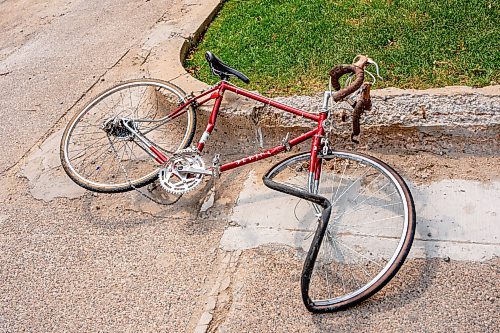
{"points": [[369, 233], [100, 152]]}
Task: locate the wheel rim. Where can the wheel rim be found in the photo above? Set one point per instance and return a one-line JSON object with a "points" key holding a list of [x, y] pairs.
{"points": [[362, 247], [366, 233], [111, 159]]}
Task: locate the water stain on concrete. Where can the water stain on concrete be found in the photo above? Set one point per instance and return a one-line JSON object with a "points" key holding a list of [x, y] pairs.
{"points": [[47, 179]]}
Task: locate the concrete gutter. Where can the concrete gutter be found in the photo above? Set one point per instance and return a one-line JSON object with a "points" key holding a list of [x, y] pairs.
{"points": [[442, 120], [456, 219], [176, 38]]}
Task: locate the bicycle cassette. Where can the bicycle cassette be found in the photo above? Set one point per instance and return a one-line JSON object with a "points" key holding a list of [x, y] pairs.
{"points": [[183, 172]]}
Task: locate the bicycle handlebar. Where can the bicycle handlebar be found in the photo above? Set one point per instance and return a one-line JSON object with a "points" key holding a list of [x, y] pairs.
{"points": [[358, 69], [363, 103]]}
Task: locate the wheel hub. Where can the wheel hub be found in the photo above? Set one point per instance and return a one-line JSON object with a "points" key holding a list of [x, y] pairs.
{"points": [[116, 127]]}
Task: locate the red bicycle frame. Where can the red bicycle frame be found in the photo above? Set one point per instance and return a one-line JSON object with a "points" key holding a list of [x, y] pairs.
{"points": [[217, 93]]}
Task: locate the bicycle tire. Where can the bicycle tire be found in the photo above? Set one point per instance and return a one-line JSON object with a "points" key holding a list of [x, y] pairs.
{"points": [[323, 288], [104, 162]]}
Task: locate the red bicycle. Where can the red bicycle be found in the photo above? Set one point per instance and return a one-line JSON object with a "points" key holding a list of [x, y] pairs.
{"points": [[141, 131]]}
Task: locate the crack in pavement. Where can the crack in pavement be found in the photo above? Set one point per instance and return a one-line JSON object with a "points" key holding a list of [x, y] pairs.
{"points": [[219, 300]]}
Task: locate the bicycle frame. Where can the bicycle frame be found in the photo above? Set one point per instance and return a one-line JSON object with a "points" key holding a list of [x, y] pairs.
{"points": [[216, 93]]}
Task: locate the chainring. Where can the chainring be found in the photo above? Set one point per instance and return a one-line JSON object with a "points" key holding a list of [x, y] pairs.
{"points": [[172, 177]]}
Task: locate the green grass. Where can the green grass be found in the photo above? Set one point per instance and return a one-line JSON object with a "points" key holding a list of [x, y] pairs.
{"points": [[288, 46]]}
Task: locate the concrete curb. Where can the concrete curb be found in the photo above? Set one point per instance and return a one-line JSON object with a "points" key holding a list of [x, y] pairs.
{"points": [[468, 119], [178, 38]]}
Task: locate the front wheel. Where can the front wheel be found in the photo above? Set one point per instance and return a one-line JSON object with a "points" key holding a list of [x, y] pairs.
{"points": [[369, 232], [101, 148]]}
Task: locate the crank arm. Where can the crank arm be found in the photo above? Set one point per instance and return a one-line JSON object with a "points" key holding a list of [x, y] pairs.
{"points": [[196, 171]]}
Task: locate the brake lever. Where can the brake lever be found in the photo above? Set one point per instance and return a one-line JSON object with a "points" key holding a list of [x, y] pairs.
{"points": [[372, 76]]}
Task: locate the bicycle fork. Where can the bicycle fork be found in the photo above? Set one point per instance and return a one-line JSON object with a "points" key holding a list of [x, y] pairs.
{"points": [[319, 146]]}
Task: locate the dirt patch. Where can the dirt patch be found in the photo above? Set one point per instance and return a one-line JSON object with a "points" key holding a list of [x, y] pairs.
{"points": [[425, 168]]}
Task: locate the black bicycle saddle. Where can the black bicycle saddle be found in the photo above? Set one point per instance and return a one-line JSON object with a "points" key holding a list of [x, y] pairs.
{"points": [[221, 69]]}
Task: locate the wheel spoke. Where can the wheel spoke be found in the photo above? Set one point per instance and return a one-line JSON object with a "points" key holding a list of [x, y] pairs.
{"points": [[352, 184], [346, 213]]}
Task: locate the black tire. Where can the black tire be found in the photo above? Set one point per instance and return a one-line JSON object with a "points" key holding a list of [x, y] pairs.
{"points": [[376, 253], [113, 161]]}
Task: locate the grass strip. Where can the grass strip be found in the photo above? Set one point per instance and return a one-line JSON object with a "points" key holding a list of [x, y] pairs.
{"points": [[287, 47]]}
